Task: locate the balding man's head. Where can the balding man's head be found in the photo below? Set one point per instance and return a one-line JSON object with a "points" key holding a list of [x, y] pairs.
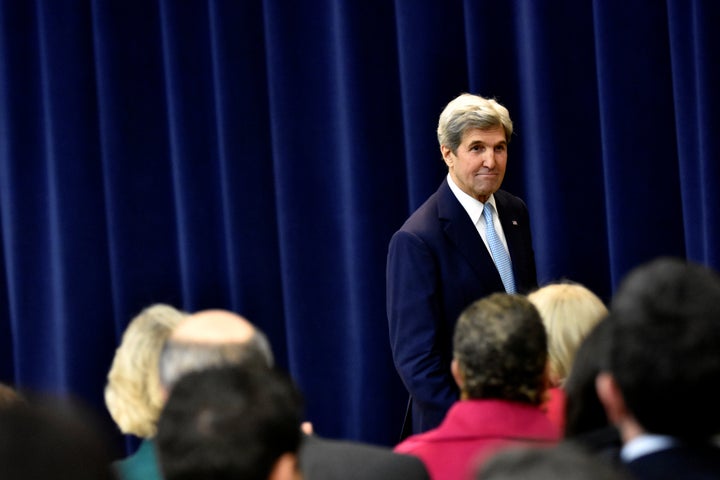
{"points": [[213, 327], [212, 338]]}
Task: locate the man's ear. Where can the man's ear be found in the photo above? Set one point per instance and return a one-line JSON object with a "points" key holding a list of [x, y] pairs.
{"points": [[447, 155], [286, 468], [457, 374], [611, 397]]}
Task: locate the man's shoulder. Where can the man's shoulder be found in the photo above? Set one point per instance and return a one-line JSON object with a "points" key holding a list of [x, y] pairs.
{"points": [[425, 220], [426, 211], [688, 461], [330, 459]]}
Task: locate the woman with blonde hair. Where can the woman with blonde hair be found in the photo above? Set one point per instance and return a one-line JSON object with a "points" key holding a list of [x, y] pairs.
{"points": [[133, 394], [569, 311]]}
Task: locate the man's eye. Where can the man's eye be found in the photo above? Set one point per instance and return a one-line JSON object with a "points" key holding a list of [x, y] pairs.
{"points": [[500, 148]]}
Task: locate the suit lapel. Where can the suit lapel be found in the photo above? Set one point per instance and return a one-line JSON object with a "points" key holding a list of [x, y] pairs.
{"points": [[462, 233]]}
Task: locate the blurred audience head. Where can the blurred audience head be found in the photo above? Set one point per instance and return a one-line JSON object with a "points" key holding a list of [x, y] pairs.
{"points": [[213, 338], [52, 439], [9, 396], [664, 362], [569, 311], [583, 411], [500, 350], [231, 423], [133, 394], [563, 462]]}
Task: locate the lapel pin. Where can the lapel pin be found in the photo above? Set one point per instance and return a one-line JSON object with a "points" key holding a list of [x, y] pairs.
{"points": [[514, 222]]}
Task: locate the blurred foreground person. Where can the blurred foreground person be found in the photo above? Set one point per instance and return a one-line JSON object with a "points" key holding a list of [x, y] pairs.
{"points": [[660, 387], [569, 312], [586, 423], [499, 364], [564, 462], [133, 394], [52, 439], [231, 423], [9, 396], [218, 338]]}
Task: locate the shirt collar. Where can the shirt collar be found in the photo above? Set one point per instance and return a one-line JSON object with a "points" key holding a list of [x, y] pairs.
{"points": [[645, 445], [472, 206]]}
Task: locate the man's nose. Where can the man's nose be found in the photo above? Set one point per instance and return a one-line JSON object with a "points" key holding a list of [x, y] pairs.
{"points": [[489, 158]]}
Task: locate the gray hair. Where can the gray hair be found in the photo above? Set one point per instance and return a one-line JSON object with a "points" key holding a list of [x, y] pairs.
{"points": [[471, 111], [181, 357]]}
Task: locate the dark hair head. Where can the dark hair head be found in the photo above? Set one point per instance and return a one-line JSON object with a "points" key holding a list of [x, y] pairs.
{"points": [[565, 462], [583, 411], [228, 422], [52, 438], [665, 352], [500, 345]]}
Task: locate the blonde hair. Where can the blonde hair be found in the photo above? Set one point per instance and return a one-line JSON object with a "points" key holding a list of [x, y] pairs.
{"points": [[569, 311], [133, 394]]}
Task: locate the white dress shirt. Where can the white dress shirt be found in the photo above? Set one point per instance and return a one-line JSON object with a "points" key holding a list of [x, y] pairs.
{"points": [[474, 209]]}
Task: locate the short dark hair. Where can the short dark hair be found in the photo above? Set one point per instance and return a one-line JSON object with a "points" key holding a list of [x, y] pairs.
{"points": [[52, 438], [665, 351], [584, 413], [228, 422], [500, 345]]}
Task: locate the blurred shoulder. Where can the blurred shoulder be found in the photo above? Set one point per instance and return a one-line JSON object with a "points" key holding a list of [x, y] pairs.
{"points": [[326, 459]]}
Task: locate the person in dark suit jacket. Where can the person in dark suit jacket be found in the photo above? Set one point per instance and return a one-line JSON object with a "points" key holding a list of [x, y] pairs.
{"points": [[660, 385], [330, 459], [440, 260]]}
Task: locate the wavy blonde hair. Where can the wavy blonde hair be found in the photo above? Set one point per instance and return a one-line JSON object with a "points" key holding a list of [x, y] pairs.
{"points": [[133, 394], [569, 311]]}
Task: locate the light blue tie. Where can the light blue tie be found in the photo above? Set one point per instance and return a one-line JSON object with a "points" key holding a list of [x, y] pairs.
{"points": [[500, 255]]}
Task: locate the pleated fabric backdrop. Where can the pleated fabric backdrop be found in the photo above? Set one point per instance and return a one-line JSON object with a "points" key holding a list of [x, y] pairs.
{"points": [[258, 155]]}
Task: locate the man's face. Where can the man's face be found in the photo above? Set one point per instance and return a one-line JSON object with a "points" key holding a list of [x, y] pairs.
{"points": [[478, 168]]}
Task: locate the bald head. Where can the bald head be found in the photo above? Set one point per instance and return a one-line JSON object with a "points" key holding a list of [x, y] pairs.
{"points": [[210, 339], [213, 327]]}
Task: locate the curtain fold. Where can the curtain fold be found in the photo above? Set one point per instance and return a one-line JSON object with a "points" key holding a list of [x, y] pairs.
{"points": [[258, 156], [633, 64], [693, 43]]}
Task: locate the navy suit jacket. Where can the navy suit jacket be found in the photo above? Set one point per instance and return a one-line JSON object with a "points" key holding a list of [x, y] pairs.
{"points": [[437, 265], [696, 462]]}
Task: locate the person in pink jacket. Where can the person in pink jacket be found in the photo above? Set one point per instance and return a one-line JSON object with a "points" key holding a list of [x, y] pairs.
{"points": [[499, 364]]}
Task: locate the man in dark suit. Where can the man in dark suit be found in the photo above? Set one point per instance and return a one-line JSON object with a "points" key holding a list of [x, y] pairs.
{"points": [[660, 387], [468, 240]]}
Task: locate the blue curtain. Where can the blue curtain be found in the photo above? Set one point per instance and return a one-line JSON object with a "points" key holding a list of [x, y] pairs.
{"points": [[258, 155]]}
